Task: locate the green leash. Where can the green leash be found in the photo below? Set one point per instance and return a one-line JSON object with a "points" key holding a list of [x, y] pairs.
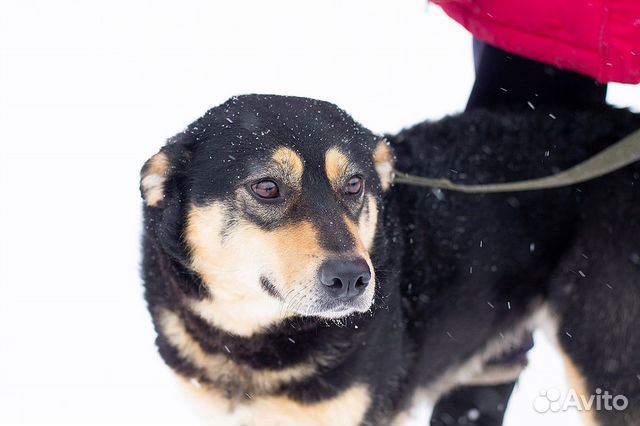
{"points": [[615, 157]]}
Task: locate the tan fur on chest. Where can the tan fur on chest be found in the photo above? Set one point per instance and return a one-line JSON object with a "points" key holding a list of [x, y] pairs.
{"points": [[345, 409]]}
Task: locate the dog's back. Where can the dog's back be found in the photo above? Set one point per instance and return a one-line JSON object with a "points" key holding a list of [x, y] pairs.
{"points": [[494, 261]]}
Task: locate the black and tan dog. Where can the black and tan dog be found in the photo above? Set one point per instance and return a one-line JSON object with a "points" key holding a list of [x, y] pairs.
{"points": [[291, 286]]}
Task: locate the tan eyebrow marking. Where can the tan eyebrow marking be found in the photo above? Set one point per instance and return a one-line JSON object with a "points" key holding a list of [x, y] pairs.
{"points": [[290, 161], [336, 165]]}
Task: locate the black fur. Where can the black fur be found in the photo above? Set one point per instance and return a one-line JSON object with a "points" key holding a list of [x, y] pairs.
{"points": [[455, 271], [484, 147]]}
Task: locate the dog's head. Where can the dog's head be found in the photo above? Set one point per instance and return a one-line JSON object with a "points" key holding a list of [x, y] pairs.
{"points": [[273, 202]]}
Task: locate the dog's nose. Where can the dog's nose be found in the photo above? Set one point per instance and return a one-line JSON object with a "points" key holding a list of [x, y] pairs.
{"points": [[344, 279]]}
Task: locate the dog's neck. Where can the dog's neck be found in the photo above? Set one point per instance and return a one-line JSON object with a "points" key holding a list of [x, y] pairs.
{"points": [[285, 354]]}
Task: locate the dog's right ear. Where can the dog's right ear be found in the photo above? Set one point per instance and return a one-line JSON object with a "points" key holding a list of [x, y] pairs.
{"points": [[160, 169], [153, 175]]}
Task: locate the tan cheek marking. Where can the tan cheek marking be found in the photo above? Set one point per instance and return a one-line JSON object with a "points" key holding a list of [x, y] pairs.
{"points": [[244, 255], [346, 409], [231, 271], [368, 221], [203, 236], [335, 166], [290, 161], [153, 179], [222, 370], [578, 383], [383, 161]]}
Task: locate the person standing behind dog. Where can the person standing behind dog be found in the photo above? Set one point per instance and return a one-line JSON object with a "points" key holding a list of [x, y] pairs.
{"points": [[544, 55], [549, 51]]}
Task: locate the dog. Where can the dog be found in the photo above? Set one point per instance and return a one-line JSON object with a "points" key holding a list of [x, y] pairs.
{"points": [[291, 283]]}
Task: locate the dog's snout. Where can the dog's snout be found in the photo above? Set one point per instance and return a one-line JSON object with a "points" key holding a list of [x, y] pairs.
{"points": [[345, 279]]}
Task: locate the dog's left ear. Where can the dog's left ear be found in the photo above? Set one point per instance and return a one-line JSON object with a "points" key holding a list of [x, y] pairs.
{"points": [[383, 162]]}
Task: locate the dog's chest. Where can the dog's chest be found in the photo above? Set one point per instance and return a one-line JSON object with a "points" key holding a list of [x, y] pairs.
{"points": [[346, 408]]}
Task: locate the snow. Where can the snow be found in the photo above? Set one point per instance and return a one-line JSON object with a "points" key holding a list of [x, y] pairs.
{"points": [[91, 90]]}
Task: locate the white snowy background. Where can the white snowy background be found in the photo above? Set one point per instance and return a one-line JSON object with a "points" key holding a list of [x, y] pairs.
{"points": [[90, 89]]}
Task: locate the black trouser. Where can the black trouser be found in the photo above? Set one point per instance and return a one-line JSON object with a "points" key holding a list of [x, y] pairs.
{"points": [[507, 81]]}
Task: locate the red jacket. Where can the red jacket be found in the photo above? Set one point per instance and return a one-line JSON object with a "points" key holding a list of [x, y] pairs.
{"points": [[599, 38]]}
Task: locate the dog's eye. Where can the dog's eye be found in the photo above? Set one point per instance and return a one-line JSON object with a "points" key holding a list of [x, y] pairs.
{"points": [[266, 189], [354, 185]]}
